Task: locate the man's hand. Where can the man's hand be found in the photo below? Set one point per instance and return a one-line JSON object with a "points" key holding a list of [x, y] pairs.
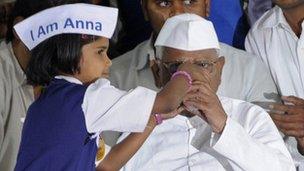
{"points": [[291, 123], [203, 97]]}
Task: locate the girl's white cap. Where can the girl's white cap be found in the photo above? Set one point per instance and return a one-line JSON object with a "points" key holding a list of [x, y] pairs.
{"points": [[188, 32], [72, 18]]}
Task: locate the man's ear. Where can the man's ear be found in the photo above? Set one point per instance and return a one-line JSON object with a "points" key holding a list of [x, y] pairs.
{"points": [[207, 5], [156, 70], [16, 21], [218, 75], [220, 64], [144, 9]]}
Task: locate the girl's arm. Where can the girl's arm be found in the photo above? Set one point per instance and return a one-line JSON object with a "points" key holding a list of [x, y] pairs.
{"points": [[123, 151], [169, 99]]}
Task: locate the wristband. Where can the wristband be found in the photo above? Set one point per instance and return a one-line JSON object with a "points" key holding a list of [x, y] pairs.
{"points": [[185, 74], [158, 119]]}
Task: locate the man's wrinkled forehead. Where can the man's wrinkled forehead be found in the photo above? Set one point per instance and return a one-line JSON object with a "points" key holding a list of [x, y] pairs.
{"points": [[182, 55]]}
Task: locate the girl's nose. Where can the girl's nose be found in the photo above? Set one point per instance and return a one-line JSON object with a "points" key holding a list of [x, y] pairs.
{"points": [[108, 61]]}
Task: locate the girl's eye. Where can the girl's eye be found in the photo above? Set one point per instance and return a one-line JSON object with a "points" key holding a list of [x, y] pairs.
{"points": [[100, 52], [163, 3]]}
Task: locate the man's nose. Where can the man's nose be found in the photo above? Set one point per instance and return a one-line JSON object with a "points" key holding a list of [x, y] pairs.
{"points": [[177, 8]]}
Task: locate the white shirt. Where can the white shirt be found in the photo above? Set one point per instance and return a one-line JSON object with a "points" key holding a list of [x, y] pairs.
{"points": [[15, 98], [107, 108], [249, 142], [273, 41]]}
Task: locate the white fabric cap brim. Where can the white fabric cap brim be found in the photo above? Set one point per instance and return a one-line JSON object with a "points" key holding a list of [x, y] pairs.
{"points": [[72, 18]]}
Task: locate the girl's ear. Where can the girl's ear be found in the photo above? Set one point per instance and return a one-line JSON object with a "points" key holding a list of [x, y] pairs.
{"points": [[81, 62], [221, 63]]}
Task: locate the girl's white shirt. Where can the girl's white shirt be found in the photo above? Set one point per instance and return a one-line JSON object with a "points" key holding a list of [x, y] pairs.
{"points": [[107, 108]]}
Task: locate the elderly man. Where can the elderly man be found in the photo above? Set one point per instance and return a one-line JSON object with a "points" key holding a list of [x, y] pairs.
{"points": [[278, 39], [227, 134], [244, 77]]}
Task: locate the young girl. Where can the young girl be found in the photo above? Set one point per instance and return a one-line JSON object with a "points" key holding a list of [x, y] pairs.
{"points": [[69, 57]]}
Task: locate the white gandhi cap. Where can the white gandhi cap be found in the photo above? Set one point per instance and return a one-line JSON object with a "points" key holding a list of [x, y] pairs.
{"points": [[72, 18], [188, 32]]}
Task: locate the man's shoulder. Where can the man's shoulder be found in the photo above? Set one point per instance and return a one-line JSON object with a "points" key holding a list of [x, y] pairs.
{"points": [[6, 63], [266, 21], [129, 59], [238, 57], [6, 70]]}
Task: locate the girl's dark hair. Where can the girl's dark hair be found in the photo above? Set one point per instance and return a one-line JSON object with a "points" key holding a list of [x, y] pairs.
{"points": [[56, 56], [27, 8]]}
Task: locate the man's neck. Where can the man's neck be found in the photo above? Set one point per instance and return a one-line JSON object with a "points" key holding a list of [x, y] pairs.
{"points": [[294, 17]]}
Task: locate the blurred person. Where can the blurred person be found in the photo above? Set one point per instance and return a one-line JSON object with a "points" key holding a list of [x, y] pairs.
{"points": [[16, 93]]}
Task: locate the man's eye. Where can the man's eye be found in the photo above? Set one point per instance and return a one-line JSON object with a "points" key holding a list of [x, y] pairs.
{"points": [[205, 65], [164, 3], [188, 2], [173, 67]]}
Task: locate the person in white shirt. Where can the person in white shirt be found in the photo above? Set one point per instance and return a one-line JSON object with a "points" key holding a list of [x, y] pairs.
{"points": [[226, 134], [277, 38], [15, 94]]}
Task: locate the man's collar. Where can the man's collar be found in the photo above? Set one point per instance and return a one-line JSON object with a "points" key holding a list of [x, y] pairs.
{"points": [[145, 54], [276, 18]]}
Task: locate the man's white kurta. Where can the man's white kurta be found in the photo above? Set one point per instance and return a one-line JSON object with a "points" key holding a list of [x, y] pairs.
{"points": [[250, 142]]}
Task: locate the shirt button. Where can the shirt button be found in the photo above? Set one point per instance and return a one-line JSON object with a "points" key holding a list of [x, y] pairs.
{"points": [[192, 162]]}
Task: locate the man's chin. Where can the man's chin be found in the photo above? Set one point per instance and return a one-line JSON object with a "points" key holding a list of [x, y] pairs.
{"points": [[288, 6], [190, 112]]}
